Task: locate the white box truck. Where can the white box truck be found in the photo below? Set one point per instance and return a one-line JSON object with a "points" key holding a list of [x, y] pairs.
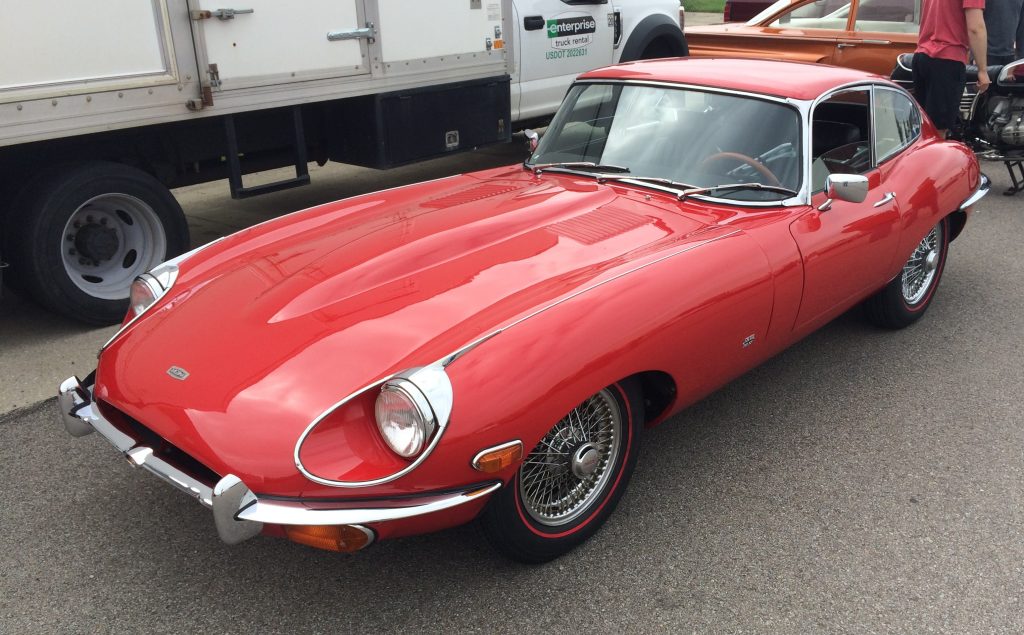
{"points": [[105, 106]]}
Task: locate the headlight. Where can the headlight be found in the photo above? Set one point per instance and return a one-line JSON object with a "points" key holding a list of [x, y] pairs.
{"points": [[404, 417], [144, 293]]}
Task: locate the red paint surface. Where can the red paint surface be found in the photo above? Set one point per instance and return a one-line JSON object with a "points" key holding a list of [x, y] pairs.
{"points": [[279, 322]]}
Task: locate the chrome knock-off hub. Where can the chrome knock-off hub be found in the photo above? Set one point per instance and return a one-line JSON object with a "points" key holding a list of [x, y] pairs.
{"points": [[585, 460]]}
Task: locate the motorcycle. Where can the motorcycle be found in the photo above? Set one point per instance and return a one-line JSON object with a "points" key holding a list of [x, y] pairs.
{"points": [[992, 123]]}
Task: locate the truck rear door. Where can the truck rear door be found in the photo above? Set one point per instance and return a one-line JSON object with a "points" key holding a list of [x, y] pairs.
{"points": [[269, 42], [556, 42]]}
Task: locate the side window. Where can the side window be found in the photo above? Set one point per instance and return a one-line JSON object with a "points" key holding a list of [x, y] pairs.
{"points": [[840, 139], [819, 14], [889, 16], [897, 122]]}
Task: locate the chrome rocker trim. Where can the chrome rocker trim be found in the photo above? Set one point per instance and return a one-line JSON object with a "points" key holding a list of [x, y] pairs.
{"points": [[237, 512]]}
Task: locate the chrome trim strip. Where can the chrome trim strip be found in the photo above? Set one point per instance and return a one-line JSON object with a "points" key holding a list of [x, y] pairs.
{"points": [[164, 275], [802, 197], [238, 513], [79, 412], [421, 373], [297, 513], [703, 89], [468, 347], [432, 381], [983, 186], [510, 444]]}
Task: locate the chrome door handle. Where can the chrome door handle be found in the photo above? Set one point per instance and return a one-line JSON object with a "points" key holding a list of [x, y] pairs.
{"points": [[843, 45], [889, 196]]}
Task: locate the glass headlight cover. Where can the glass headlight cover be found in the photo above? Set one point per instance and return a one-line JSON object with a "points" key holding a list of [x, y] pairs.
{"points": [[145, 291], [404, 418]]}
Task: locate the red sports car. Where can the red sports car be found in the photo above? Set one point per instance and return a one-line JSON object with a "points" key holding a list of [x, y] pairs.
{"points": [[491, 346]]}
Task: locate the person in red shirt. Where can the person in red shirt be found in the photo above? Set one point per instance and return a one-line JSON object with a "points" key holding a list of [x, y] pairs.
{"points": [[950, 31]]}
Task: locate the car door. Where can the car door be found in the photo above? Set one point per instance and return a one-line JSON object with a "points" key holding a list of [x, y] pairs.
{"points": [[848, 249], [556, 40], [882, 30]]}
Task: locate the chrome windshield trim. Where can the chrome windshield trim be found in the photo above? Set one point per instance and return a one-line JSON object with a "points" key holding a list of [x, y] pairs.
{"points": [[983, 186], [803, 196], [698, 87]]}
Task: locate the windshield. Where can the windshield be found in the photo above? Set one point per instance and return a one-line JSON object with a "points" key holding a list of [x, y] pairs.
{"points": [[692, 138]]}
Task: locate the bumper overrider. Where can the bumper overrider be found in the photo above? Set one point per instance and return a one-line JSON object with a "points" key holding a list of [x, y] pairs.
{"points": [[238, 513]]}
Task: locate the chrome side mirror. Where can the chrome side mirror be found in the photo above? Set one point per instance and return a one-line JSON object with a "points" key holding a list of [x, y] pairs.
{"points": [[532, 139], [845, 187]]}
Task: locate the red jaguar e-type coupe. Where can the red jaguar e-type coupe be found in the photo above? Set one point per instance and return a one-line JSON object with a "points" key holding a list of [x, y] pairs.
{"points": [[491, 346]]}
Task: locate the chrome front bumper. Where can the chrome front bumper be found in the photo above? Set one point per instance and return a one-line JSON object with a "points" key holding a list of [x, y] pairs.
{"points": [[237, 512]]}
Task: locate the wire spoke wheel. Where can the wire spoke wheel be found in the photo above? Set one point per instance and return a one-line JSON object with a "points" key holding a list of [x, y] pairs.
{"points": [[908, 295], [571, 466], [920, 269]]}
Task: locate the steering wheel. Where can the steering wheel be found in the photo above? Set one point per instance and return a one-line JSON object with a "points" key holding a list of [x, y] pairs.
{"points": [[759, 167]]}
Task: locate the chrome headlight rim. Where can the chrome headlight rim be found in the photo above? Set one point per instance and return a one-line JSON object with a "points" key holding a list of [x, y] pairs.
{"points": [[159, 280], [432, 381], [164, 275], [427, 423]]}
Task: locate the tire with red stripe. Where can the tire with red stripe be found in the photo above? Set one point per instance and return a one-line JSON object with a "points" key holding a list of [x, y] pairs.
{"points": [[907, 296], [570, 483]]}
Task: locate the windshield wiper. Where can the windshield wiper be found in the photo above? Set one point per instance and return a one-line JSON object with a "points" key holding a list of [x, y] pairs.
{"points": [[580, 166], [657, 180], [736, 186]]}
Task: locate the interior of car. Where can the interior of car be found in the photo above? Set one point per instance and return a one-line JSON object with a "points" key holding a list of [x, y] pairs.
{"points": [[840, 136]]}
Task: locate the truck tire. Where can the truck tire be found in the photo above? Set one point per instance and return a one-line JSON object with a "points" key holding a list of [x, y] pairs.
{"points": [[77, 237]]}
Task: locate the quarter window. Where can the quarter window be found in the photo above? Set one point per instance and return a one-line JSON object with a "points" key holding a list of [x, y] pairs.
{"points": [[897, 122]]}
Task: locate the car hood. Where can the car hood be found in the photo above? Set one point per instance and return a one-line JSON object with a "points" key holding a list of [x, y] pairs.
{"points": [[277, 323]]}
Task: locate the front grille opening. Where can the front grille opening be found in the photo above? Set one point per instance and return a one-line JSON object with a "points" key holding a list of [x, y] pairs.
{"points": [[161, 447]]}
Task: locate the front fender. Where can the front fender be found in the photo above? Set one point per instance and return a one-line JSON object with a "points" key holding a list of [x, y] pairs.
{"points": [[650, 29], [701, 317]]}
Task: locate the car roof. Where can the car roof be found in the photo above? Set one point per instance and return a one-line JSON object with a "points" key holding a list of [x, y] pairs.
{"points": [[798, 80]]}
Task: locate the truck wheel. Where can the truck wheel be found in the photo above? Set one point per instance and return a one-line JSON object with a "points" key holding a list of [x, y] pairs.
{"points": [[80, 234]]}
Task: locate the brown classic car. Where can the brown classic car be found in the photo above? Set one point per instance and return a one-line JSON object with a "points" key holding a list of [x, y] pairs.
{"points": [[862, 34]]}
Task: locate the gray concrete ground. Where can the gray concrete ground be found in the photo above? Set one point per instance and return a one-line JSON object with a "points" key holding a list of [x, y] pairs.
{"points": [[863, 481]]}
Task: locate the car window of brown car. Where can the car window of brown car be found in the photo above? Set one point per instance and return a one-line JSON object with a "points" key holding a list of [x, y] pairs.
{"points": [[840, 139], [818, 14], [889, 16]]}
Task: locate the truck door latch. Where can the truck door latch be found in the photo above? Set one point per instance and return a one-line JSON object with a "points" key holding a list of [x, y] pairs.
{"points": [[220, 14], [368, 33]]}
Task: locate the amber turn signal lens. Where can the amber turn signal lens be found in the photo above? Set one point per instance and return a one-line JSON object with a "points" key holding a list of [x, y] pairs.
{"points": [[498, 458], [343, 538]]}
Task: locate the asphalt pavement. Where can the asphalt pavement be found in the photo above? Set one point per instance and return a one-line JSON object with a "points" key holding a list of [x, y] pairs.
{"points": [[864, 481]]}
